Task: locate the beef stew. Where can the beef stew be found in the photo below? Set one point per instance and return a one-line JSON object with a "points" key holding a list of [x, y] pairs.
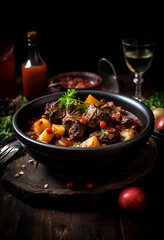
{"points": [[71, 122]]}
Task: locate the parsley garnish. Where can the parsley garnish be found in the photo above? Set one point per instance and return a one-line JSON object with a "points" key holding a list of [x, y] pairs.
{"points": [[68, 99], [79, 106], [76, 145], [103, 134]]}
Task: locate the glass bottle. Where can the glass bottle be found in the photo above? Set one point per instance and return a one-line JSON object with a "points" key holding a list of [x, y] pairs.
{"points": [[34, 70]]}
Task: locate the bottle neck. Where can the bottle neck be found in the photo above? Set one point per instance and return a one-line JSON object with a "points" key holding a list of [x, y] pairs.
{"points": [[34, 56], [32, 51]]}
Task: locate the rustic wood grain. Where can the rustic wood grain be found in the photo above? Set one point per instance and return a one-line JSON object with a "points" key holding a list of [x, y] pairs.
{"points": [[34, 182], [19, 220]]}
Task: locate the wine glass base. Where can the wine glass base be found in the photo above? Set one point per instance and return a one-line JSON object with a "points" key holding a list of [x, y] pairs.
{"points": [[139, 98]]}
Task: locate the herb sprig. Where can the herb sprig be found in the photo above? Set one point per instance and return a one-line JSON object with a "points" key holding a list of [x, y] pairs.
{"points": [[155, 101], [68, 99], [6, 127], [8, 109]]}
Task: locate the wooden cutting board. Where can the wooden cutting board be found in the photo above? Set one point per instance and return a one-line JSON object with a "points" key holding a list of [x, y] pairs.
{"points": [[36, 184]]}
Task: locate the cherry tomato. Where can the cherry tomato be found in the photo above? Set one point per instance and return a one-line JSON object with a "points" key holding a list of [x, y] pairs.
{"points": [[117, 127], [103, 124], [123, 111], [83, 121], [70, 184], [49, 130]]}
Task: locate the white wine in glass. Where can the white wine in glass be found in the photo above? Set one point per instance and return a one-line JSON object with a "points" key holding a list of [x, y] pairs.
{"points": [[138, 58]]}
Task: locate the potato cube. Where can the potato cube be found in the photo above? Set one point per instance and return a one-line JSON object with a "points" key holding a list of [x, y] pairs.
{"points": [[127, 134], [91, 142], [90, 99], [46, 135], [40, 125], [58, 129]]}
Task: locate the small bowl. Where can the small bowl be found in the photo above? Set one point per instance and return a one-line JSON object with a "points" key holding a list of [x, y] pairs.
{"points": [[60, 157], [74, 80]]}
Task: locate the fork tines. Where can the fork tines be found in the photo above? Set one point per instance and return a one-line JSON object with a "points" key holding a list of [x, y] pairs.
{"points": [[5, 150]]}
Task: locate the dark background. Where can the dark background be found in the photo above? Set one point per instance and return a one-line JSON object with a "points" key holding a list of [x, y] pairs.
{"points": [[74, 38]]}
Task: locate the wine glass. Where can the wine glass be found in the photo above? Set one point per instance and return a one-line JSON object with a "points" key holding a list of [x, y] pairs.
{"points": [[138, 55]]}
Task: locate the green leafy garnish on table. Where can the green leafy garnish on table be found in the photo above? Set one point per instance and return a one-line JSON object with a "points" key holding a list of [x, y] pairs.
{"points": [[6, 127], [7, 109], [155, 101]]}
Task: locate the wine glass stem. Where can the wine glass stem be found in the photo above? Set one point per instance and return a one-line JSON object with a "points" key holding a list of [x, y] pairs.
{"points": [[138, 80]]}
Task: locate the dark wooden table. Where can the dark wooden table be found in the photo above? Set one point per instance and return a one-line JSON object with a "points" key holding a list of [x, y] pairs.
{"points": [[100, 219]]}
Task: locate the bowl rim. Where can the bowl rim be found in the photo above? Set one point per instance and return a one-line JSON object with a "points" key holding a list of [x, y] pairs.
{"points": [[158, 134], [148, 129]]}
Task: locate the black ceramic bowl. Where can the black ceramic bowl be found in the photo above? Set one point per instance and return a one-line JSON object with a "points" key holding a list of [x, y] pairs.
{"points": [[67, 157]]}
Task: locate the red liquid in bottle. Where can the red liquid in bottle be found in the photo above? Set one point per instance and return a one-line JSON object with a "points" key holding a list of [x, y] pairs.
{"points": [[34, 81], [34, 71]]}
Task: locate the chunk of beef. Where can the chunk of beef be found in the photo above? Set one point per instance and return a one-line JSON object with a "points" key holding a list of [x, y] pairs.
{"points": [[126, 122], [73, 126], [94, 115], [116, 113], [110, 105], [54, 113], [107, 136]]}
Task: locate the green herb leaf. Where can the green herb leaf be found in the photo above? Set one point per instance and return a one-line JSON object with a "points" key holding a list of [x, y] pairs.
{"points": [[155, 101], [68, 98], [103, 134], [8, 111], [80, 107], [6, 127], [76, 145]]}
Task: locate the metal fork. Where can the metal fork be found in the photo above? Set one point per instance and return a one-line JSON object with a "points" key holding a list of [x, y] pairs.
{"points": [[7, 152]]}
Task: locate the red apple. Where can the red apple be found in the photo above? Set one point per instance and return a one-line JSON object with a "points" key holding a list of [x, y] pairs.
{"points": [[159, 126], [132, 199]]}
